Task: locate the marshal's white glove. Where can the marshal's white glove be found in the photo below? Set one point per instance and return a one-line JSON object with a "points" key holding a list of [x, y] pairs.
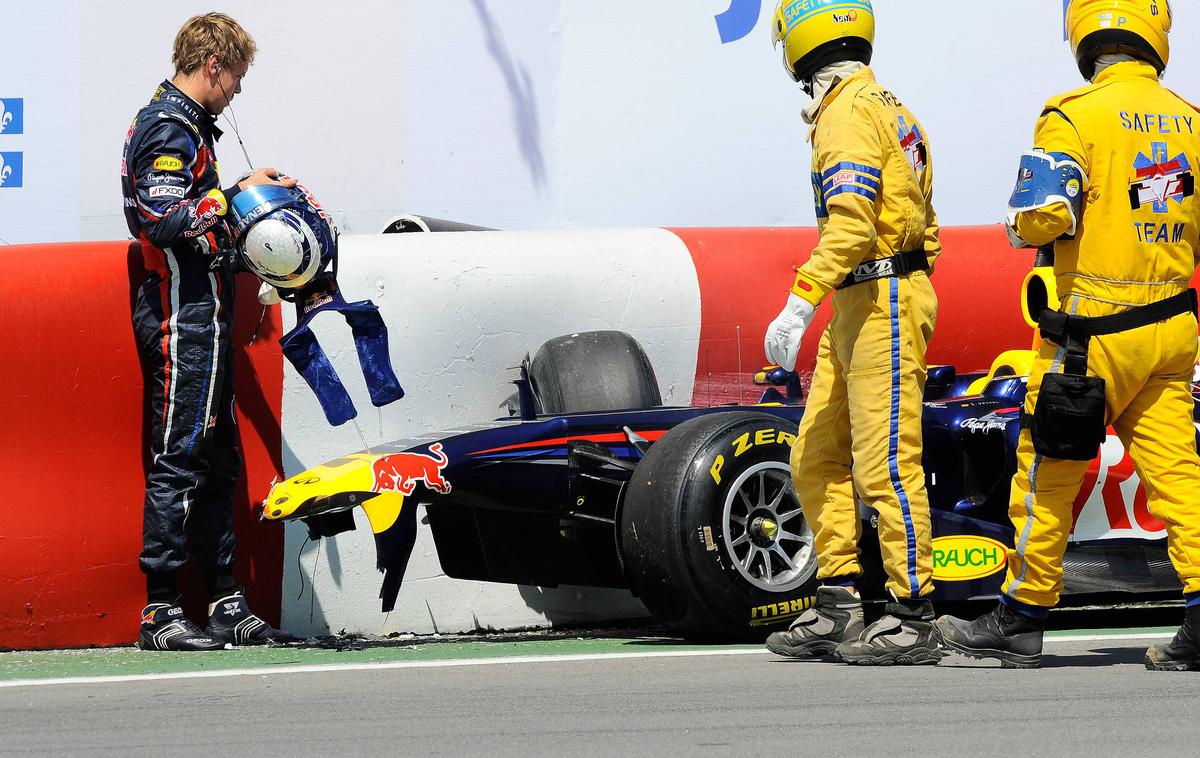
{"points": [[783, 335]]}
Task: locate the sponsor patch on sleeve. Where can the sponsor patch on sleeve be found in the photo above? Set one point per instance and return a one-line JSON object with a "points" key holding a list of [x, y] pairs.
{"points": [[842, 178], [167, 163]]}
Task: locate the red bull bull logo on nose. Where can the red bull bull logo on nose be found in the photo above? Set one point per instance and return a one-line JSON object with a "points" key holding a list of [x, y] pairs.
{"points": [[401, 472]]}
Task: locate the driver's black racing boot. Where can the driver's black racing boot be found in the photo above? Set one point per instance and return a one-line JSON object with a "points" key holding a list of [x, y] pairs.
{"points": [[836, 616], [1013, 638], [902, 637], [1181, 653], [164, 627], [231, 620]]}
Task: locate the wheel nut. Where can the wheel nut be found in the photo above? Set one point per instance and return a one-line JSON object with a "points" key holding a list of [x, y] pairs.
{"points": [[764, 527]]}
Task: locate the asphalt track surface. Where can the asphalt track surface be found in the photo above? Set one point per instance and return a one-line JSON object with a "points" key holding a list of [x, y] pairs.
{"points": [[638, 696]]}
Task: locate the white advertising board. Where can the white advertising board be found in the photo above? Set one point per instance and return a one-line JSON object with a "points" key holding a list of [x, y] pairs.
{"points": [[523, 115]]}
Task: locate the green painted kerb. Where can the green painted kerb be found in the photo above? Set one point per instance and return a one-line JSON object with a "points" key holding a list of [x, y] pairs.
{"points": [[53, 664]]}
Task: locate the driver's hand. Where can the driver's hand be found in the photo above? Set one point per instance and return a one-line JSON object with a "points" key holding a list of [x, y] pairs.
{"points": [[266, 175]]}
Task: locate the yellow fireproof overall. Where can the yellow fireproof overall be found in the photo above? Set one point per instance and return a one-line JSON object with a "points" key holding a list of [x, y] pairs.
{"points": [[1135, 244], [861, 430]]}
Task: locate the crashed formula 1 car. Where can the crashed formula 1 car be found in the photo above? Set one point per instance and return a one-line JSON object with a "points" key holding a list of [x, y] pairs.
{"points": [[593, 482]]}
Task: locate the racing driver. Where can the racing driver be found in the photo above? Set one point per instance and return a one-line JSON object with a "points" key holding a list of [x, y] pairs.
{"points": [[1111, 183], [873, 182], [182, 318]]}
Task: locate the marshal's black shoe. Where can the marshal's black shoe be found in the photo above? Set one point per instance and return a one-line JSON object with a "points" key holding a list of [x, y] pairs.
{"points": [[1012, 638], [836, 616], [1183, 652], [232, 621], [902, 637], [164, 627]]}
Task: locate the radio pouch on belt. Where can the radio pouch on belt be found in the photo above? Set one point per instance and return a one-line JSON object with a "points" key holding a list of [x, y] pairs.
{"points": [[1068, 419], [370, 341]]}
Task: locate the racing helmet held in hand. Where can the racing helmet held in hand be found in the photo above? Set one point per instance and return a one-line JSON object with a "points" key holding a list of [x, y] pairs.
{"points": [[816, 33], [284, 237], [1138, 28]]}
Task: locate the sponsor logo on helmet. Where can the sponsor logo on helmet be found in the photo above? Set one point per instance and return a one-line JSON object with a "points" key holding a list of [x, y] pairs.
{"points": [[167, 163], [844, 11], [1073, 188]]}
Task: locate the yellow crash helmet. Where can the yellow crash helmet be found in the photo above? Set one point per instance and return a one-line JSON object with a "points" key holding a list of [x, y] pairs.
{"points": [[816, 33], [1134, 27]]}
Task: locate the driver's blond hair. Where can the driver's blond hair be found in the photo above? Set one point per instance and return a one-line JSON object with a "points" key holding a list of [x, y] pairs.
{"points": [[201, 36]]}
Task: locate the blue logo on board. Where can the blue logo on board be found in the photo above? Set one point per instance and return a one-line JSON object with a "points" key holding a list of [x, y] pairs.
{"points": [[12, 115], [10, 170], [739, 20]]}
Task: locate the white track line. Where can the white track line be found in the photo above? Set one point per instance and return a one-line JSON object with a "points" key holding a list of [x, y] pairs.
{"points": [[1096, 637], [320, 668]]}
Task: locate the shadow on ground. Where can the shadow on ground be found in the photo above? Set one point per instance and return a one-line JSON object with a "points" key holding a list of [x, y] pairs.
{"points": [[647, 633]]}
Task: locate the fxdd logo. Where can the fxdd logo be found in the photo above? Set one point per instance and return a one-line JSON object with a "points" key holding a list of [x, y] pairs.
{"points": [[12, 115], [10, 170]]}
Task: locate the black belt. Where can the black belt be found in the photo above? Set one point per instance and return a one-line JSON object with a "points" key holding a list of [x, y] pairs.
{"points": [[899, 264], [1073, 332], [1059, 327]]}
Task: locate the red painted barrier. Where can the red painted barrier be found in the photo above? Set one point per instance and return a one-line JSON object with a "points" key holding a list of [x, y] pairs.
{"points": [[745, 274], [71, 430], [71, 446]]}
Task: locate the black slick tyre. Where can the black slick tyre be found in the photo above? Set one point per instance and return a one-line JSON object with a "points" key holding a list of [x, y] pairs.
{"points": [[592, 371], [712, 538]]}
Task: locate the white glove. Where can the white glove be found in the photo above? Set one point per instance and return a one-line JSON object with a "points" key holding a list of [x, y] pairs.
{"points": [[268, 295], [783, 335]]}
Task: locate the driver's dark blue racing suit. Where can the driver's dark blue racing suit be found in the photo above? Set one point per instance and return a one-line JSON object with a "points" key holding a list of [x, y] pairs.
{"points": [[183, 319]]}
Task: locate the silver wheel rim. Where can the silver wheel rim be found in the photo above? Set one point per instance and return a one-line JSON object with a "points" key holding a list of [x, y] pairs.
{"points": [[765, 531]]}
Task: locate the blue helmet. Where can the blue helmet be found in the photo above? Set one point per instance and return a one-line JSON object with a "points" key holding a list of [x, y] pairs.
{"points": [[283, 235]]}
